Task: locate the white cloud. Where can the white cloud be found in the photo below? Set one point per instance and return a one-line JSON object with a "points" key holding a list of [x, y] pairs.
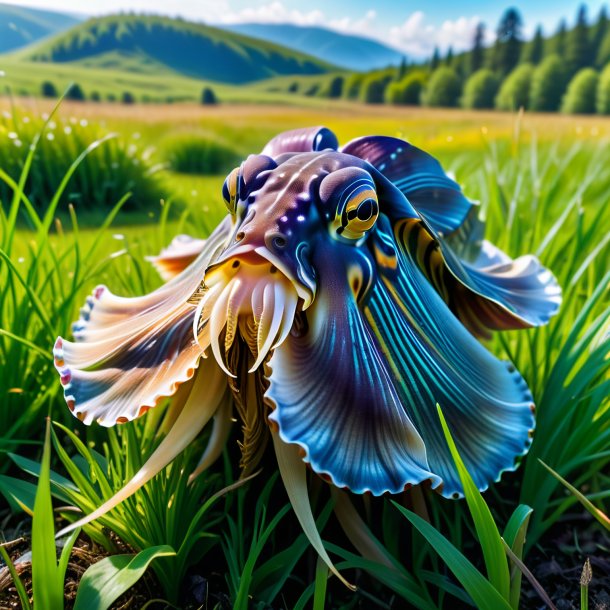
{"points": [[418, 38], [277, 12], [415, 36]]}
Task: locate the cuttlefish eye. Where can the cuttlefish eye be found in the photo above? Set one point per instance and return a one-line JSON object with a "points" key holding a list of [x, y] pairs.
{"points": [[230, 190], [351, 191]]}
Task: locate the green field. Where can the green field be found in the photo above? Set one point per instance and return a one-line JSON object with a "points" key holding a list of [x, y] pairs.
{"points": [[543, 182]]}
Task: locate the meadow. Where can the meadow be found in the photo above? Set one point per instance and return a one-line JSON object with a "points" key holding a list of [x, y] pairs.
{"points": [[543, 182]]}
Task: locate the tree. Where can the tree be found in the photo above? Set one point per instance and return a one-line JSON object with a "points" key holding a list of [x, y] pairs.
{"points": [[598, 33], [402, 69], [208, 97], [480, 90], [603, 92], [508, 42], [48, 89], [128, 98], [95, 96], [373, 90], [548, 84], [534, 51], [75, 93], [603, 54], [351, 90], [578, 52], [443, 89], [436, 59], [335, 88], [449, 57], [559, 46], [515, 90], [407, 91], [580, 96], [477, 55]]}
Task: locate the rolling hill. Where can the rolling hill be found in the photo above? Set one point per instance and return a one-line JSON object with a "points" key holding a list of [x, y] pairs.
{"points": [[174, 45], [20, 26], [347, 51]]}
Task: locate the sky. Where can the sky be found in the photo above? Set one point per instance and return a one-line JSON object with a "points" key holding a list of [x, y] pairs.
{"points": [[413, 27]]}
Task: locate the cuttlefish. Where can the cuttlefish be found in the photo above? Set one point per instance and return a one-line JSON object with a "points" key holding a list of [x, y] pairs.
{"points": [[344, 295]]}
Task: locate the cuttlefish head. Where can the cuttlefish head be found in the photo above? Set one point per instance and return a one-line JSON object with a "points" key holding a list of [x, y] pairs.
{"points": [[292, 217]]}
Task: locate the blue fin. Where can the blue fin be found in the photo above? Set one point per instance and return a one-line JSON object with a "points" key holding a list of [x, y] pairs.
{"points": [[419, 176]]}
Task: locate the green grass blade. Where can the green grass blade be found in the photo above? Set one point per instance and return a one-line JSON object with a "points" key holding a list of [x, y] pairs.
{"points": [[319, 594], [514, 535], [19, 587], [19, 494], [598, 514], [486, 528], [106, 580], [481, 590], [47, 587]]}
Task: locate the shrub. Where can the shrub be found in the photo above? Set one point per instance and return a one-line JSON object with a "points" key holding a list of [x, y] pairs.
{"points": [[443, 88], [580, 96], [407, 90], [75, 93], [313, 90], [373, 90], [603, 92], [515, 90], [48, 89], [548, 84], [293, 87], [208, 97], [115, 167], [353, 85], [95, 96], [480, 90], [335, 89], [199, 154], [128, 98]]}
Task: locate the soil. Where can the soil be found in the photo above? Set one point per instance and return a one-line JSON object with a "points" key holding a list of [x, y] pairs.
{"points": [[557, 565]]}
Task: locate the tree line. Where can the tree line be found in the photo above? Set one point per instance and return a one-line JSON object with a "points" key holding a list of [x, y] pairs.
{"points": [[568, 71]]}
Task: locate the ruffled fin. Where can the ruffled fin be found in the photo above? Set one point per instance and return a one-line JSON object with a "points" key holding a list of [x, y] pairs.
{"points": [[174, 259], [491, 293], [419, 176], [434, 359], [310, 139], [332, 395], [129, 353]]}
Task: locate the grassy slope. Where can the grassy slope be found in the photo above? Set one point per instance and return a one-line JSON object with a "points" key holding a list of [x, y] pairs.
{"points": [[26, 77], [186, 48]]}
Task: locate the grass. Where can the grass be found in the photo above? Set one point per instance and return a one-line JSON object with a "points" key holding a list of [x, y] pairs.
{"points": [[542, 182]]}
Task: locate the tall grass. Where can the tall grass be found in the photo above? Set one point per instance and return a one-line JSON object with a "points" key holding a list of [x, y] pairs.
{"points": [[102, 177], [547, 198]]}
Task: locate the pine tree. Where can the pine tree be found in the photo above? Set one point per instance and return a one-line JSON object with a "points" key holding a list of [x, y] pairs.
{"points": [[560, 39], [436, 59], [508, 42], [578, 49], [402, 69], [449, 57], [534, 52], [599, 31], [477, 53]]}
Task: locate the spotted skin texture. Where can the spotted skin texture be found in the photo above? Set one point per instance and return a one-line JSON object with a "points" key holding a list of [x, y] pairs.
{"points": [[343, 297]]}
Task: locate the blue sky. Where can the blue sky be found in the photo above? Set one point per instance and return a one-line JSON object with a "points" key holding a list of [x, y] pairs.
{"points": [[414, 27]]}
